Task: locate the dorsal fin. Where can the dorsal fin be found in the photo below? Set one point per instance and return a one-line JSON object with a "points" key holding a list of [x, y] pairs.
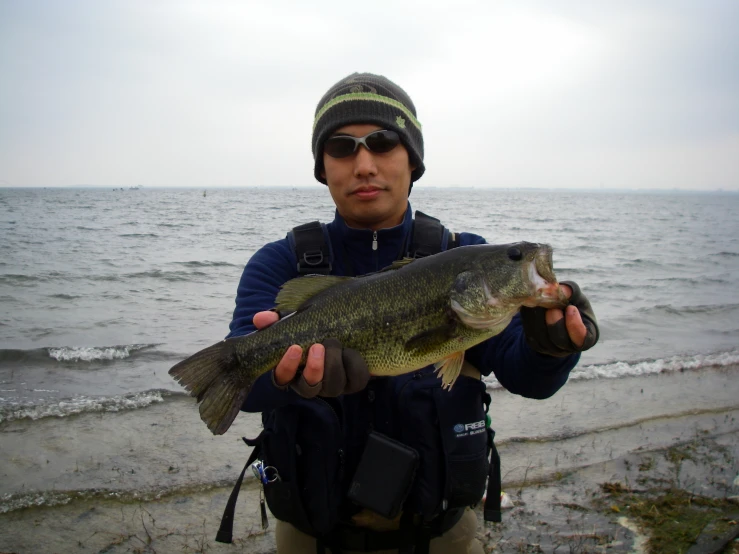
{"points": [[296, 292], [397, 264]]}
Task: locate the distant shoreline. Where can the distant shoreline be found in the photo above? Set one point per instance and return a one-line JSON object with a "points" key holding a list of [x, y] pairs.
{"points": [[311, 186]]}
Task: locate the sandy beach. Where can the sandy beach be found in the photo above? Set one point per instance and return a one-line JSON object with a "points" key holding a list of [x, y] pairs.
{"points": [[156, 480]]}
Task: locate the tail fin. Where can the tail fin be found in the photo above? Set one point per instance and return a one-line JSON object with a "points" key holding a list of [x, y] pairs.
{"points": [[209, 375]]}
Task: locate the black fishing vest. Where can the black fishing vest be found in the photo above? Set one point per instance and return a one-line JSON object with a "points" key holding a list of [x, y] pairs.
{"points": [[315, 256]]}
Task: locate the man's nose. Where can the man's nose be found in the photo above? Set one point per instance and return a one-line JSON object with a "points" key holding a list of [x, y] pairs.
{"points": [[364, 162]]}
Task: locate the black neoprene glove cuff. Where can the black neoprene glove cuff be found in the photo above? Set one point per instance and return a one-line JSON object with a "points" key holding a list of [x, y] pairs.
{"points": [[344, 372], [553, 340]]}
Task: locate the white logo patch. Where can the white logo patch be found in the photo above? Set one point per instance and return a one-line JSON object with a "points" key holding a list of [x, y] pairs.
{"points": [[469, 429]]}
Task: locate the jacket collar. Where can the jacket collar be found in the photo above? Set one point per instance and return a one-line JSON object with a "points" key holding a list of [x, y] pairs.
{"points": [[353, 248], [391, 233]]}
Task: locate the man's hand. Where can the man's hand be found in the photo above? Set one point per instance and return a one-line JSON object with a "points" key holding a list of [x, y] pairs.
{"points": [[573, 321], [330, 370], [290, 362], [560, 333]]}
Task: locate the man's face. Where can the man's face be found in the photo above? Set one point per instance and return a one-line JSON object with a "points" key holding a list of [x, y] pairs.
{"points": [[370, 190]]}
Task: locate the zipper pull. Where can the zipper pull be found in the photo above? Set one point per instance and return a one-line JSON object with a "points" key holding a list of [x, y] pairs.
{"points": [[374, 240]]}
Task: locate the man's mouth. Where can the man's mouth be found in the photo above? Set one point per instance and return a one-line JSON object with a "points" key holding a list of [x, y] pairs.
{"points": [[367, 192]]}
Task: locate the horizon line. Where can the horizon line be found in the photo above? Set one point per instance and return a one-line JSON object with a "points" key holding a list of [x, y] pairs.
{"points": [[318, 185]]}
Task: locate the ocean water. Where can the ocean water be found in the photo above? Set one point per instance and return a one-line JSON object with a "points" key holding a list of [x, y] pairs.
{"points": [[102, 290]]}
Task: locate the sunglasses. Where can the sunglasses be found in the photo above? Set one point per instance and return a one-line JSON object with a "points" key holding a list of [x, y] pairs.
{"points": [[378, 142]]}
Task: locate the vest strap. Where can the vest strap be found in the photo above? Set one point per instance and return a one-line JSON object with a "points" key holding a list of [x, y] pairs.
{"points": [[225, 531], [492, 508], [313, 253], [428, 236]]}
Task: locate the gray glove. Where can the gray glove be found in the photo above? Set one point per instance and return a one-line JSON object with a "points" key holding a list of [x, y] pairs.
{"points": [[553, 339], [344, 372]]}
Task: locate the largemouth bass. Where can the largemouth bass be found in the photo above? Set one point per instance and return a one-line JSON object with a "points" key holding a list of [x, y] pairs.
{"points": [[403, 318]]}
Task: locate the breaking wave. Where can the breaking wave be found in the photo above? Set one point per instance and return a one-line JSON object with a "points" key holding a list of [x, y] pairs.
{"points": [[83, 353], [617, 370], [91, 353], [84, 404], [660, 365]]}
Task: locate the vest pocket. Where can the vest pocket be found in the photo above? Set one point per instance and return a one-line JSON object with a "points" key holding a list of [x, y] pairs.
{"points": [[284, 502], [418, 427], [464, 440], [447, 427], [466, 480], [303, 442]]}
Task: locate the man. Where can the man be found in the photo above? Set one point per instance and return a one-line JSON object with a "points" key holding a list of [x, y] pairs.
{"points": [[368, 150]]}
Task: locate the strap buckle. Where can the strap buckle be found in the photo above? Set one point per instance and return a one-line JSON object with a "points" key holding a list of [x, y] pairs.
{"points": [[311, 249], [313, 258]]}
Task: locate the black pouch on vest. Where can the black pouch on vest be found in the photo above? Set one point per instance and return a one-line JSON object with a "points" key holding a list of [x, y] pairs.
{"points": [[302, 442], [384, 475], [447, 428]]}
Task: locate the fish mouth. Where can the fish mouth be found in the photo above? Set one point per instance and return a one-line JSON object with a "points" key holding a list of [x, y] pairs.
{"points": [[547, 292]]}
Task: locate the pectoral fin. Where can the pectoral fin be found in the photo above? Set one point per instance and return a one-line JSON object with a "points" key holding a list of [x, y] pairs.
{"points": [[431, 338], [449, 368]]}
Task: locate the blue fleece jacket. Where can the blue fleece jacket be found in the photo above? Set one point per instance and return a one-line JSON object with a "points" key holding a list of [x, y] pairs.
{"points": [[516, 366]]}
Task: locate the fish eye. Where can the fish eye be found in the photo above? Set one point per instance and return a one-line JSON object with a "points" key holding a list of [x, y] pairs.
{"points": [[514, 253]]}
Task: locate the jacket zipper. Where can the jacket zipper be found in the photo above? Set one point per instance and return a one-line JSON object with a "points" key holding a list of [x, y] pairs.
{"points": [[374, 250]]}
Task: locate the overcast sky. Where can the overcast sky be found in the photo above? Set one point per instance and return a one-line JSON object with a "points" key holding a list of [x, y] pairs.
{"points": [[519, 93]]}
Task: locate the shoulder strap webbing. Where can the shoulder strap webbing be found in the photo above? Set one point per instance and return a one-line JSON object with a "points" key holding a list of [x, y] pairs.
{"points": [[309, 244], [225, 531], [428, 236], [454, 240]]}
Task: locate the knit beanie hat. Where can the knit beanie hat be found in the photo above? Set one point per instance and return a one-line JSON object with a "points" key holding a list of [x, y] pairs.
{"points": [[368, 98]]}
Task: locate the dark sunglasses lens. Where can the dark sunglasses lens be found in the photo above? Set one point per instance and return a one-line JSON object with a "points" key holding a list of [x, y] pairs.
{"points": [[339, 147], [382, 141]]}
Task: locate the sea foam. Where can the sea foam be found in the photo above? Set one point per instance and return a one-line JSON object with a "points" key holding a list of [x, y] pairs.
{"points": [[82, 404], [617, 370], [94, 353], [660, 365]]}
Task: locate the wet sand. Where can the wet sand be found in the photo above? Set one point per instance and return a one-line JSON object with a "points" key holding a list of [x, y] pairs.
{"points": [[156, 480]]}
